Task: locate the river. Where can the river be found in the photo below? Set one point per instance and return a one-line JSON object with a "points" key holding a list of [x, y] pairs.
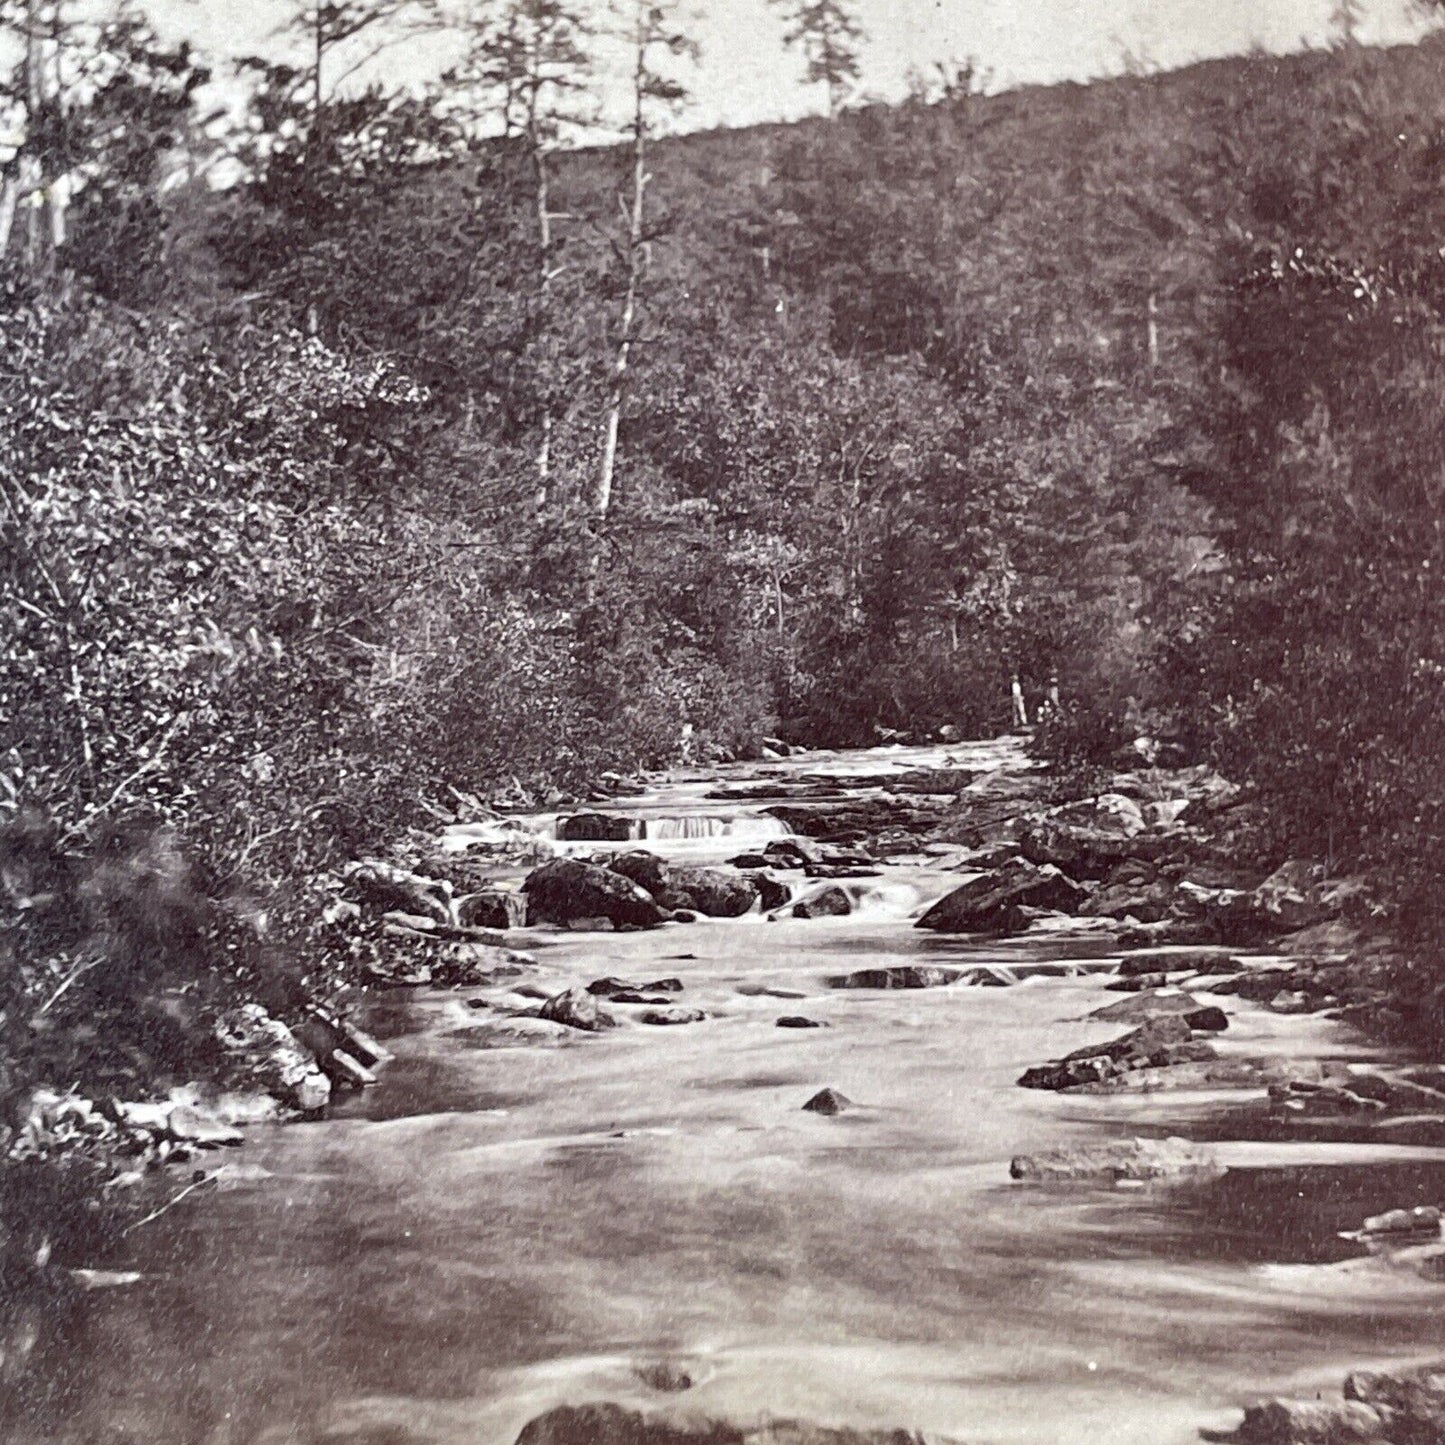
{"points": [[490, 1232]]}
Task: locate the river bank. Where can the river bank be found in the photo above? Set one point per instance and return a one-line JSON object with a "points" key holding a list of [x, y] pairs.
{"points": [[525, 1216]]}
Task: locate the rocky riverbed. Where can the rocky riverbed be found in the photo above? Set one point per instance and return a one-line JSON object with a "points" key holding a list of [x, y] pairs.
{"points": [[871, 1091]]}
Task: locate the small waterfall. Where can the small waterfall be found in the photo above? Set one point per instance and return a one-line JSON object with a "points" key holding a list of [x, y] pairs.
{"points": [[668, 829], [699, 826]]}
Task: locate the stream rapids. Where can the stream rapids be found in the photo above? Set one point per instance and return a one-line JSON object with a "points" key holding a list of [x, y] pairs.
{"points": [[491, 1232]]}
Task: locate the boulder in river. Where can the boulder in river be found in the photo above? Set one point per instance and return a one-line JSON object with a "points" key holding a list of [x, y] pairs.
{"points": [[911, 975], [794, 852], [1089, 839], [825, 903], [1147, 1004], [266, 1053], [666, 1017], [797, 1021], [493, 908], [1412, 1401], [1137, 984], [711, 891], [609, 1424], [772, 892], [828, 1102], [989, 903], [1118, 1161], [1177, 960], [645, 869], [612, 987], [578, 1009], [1315, 1422], [565, 890], [598, 828], [1160, 1043]]}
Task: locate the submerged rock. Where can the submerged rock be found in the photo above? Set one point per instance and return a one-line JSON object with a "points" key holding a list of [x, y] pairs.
{"points": [[515, 1031], [665, 1017], [797, 1021], [1117, 1161], [565, 890]]}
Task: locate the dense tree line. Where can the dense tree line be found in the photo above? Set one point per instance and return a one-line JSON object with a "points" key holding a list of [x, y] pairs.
{"points": [[444, 444]]}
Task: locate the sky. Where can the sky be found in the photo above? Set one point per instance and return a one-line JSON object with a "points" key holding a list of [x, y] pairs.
{"points": [[745, 75]]}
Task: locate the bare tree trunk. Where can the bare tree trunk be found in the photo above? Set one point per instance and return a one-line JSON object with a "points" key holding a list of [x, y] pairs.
{"points": [[542, 196], [9, 199], [32, 171], [628, 320]]}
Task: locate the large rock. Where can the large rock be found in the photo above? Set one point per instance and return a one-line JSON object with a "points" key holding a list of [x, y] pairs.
{"points": [[794, 852], [1415, 1398], [609, 1424], [1117, 1161], [1140, 1043], [1148, 1004], [904, 976], [386, 888], [1160, 1043], [598, 828], [713, 892], [565, 889], [1176, 960], [265, 1053], [989, 903], [1089, 839], [493, 908], [773, 893], [578, 1009], [1317, 1422], [645, 869], [614, 987], [1295, 896], [1143, 902], [825, 903], [828, 1102]]}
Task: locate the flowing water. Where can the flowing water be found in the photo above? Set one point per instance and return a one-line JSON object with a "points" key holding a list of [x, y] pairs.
{"points": [[490, 1232]]}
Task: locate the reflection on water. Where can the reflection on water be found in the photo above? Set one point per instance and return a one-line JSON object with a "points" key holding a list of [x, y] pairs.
{"points": [[492, 1232]]}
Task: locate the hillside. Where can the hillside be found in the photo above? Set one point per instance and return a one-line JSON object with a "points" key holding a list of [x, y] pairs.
{"points": [[1132, 385]]}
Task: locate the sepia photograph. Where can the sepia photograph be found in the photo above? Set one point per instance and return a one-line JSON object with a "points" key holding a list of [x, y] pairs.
{"points": [[722, 722]]}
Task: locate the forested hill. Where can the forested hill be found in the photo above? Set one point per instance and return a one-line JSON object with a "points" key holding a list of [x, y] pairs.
{"points": [[1136, 383]]}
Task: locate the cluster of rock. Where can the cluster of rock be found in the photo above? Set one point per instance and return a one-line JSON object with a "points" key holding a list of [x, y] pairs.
{"points": [[450, 927], [1140, 871], [268, 1070], [610, 1424], [1373, 1409]]}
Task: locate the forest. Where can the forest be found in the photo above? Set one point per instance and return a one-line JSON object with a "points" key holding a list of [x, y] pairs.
{"points": [[359, 444]]}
